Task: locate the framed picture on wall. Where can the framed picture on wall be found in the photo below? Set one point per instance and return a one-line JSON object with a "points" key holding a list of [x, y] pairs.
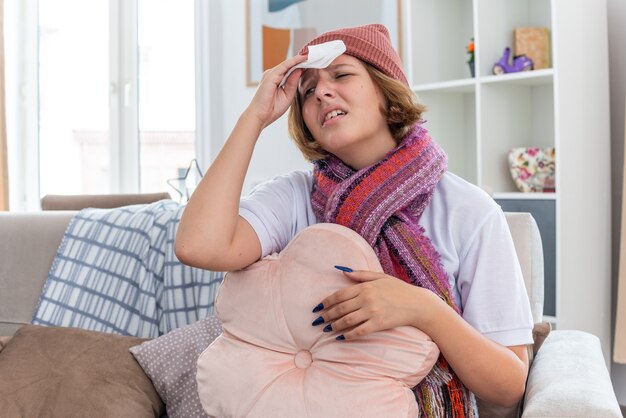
{"points": [[278, 29]]}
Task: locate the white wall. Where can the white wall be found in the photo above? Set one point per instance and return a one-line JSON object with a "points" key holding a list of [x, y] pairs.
{"points": [[275, 153], [617, 68]]}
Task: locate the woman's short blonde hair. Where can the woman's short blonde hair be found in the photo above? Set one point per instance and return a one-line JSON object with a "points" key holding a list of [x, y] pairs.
{"points": [[402, 111]]}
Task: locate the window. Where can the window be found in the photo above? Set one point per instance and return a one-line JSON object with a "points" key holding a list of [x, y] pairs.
{"points": [[166, 91], [74, 137], [114, 105]]}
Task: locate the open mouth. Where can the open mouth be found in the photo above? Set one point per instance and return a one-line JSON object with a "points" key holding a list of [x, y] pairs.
{"points": [[333, 114]]}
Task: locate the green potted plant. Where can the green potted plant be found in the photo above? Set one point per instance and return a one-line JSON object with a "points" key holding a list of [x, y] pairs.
{"points": [[470, 50]]}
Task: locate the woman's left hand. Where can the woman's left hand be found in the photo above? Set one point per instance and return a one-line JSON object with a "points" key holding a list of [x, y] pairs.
{"points": [[377, 303]]}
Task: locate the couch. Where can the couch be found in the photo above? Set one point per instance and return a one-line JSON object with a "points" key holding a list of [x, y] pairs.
{"points": [[568, 375]]}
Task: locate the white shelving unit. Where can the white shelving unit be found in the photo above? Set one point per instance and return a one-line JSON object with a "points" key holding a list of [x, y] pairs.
{"points": [[478, 119]]}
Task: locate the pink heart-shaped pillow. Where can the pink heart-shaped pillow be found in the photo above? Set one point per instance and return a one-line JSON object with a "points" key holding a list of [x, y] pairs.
{"points": [[270, 361]]}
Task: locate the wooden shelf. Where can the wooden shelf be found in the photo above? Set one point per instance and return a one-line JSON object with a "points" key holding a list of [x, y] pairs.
{"points": [[467, 85], [525, 78], [525, 196]]}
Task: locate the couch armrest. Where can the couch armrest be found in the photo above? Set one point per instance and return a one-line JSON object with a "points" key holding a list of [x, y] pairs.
{"points": [[569, 378]]}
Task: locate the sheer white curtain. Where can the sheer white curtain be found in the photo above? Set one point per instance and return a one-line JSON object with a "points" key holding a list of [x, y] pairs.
{"points": [[619, 352], [4, 175]]}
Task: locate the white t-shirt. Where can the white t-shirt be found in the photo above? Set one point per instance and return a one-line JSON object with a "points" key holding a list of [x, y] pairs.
{"points": [[465, 225]]}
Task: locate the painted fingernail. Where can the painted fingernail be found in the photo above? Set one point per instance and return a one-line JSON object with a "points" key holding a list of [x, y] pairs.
{"points": [[340, 338], [328, 328], [318, 321], [318, 308], [346, 269]]}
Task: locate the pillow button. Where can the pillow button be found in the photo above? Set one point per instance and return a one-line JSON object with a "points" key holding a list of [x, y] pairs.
{"points": [[303, 359]]}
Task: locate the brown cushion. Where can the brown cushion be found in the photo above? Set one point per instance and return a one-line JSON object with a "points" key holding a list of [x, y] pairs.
{"points": [[3, 341], [69, 372], [540, 333]]}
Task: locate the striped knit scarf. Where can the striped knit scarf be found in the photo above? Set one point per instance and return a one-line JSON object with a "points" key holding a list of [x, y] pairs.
{"points": [[383, 203]]}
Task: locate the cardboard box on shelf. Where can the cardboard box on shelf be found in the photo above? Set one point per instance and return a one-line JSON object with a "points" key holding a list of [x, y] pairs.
{"points": [[535, 44]]}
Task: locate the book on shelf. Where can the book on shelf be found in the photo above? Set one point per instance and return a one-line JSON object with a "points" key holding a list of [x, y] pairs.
{"points": [[535, 44]]}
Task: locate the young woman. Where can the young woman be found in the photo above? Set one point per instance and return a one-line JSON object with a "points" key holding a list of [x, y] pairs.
{"points": [[449, 261]]}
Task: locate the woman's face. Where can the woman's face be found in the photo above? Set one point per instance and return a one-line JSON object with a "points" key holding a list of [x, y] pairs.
{"points": [[341, 107]]}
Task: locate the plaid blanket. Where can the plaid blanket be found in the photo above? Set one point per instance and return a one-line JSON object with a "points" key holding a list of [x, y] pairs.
{"points": [[115, 271]]}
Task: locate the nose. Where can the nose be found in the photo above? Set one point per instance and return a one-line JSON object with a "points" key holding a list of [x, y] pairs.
{"points": [[324, 89]]}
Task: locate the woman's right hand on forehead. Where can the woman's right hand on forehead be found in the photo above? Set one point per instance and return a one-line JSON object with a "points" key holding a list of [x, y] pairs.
{"points": [[271, 101]]}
